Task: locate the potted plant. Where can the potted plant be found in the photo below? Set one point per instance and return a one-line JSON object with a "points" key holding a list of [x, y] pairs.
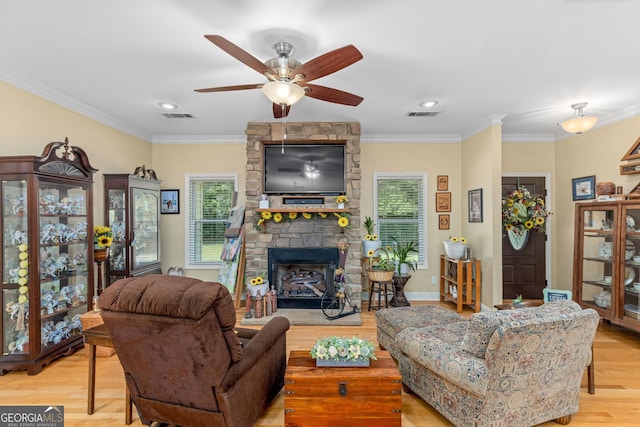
{"points": [[401, 253], [381, 269], [370, 241]]}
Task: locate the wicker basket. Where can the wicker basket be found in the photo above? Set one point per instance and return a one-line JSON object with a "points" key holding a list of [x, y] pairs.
{"points": [[380, 275]]}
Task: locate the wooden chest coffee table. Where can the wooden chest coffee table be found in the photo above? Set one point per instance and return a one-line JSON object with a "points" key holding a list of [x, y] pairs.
{"points": [[370, 396]]}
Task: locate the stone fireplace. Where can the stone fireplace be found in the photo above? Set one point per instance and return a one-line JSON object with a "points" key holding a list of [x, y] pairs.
{"points": [[301, 275], [316, 232]]}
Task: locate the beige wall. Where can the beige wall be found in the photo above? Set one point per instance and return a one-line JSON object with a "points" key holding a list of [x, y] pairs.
{"points": [[29, 123], [597, 152], [172, 162], [481, 165], [434, 159]]}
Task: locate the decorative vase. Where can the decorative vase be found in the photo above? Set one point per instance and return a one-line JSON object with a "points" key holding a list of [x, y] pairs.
{"points": [[380, 275], [404, 269], [518, 239], [263, 288], [454, 250], [340, 205], [332, 363], [370, 245], [100, 255]]}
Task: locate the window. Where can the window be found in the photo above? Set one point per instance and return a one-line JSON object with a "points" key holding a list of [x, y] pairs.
{"points": [[209, 202], [400, 211]]}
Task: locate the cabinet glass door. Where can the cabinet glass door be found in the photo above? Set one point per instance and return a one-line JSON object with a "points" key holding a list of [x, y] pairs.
{"points": [[16, 284], [63, 267], [146, 219], [118, 223], [631, 216], [599, 243]]}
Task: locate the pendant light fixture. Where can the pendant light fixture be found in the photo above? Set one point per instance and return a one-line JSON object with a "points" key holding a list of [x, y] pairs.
{"points": [[579, 123]]}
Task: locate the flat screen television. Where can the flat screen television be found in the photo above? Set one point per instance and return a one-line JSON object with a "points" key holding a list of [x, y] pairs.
{"points": [[304, 169]]}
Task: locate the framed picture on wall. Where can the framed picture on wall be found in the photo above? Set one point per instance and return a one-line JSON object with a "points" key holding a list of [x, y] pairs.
{"points": [[475, 205], [443, 222], [170, 201], [443, 202], [584, 188], [443, 182]]}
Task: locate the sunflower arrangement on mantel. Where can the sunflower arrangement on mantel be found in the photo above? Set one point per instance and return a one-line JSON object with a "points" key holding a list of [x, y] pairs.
{"points": [[278, 217]]}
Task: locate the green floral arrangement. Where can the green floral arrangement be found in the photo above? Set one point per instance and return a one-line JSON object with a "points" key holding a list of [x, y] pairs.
{"points": [[102, 236], [401, 253], [385, 263], [369, 226], [522, 211], [343, 349]]}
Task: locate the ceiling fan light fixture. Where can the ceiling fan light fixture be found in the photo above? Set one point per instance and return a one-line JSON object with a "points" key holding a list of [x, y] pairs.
{"points": [[167, 105], [283, 92], [579, 123]]}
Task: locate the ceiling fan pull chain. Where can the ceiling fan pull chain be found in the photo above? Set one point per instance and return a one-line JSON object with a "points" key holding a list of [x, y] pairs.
{"points": [[284, 125]]}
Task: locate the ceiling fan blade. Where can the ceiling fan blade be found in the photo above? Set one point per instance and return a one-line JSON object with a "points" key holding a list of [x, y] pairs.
{"points": [[328, 63], [324, 93], [278, 113], [228, 88], [241, 55]]}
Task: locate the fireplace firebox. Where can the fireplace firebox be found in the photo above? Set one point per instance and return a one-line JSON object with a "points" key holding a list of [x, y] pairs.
{"points": [[301, 275]]}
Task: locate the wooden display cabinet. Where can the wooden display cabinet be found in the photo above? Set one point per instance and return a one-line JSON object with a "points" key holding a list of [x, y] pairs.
{"points": [[607, 238], [132, 210], [47, 261], [460, 282]]}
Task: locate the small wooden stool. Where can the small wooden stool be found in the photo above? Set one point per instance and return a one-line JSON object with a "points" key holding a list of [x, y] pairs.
{"points": [[382, 287]]}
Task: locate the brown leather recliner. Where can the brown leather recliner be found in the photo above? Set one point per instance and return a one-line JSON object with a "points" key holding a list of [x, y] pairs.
{"points": [[184, 362]]}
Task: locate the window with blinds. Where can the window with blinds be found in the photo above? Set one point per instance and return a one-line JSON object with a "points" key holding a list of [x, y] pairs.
{"points": [[400, 212], [210, 200]]}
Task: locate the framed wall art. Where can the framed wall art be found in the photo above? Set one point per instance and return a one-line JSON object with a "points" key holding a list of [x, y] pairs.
{"points": [[584, 188], [443, 182], [475, 205], [169, 201], [443, 222], [443, 202]]}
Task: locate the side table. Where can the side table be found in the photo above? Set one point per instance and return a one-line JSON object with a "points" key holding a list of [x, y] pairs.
{"points": [[93, 337], [399, 300]]}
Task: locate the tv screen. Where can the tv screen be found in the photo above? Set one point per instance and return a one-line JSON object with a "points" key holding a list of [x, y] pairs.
{"points": [[304, 169]]}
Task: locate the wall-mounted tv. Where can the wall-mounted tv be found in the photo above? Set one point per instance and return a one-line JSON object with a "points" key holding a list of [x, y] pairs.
{"points": [[304, 169]]}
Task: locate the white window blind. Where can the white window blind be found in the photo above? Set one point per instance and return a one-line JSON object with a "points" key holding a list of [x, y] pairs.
{"points": [[209, 204], [400, 211]]}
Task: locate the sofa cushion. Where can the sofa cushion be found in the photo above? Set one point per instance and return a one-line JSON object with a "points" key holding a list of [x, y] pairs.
{"points": [[482, 325]]}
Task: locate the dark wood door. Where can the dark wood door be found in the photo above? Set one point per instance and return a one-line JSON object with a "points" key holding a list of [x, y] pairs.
{"points": [[523, 271]]}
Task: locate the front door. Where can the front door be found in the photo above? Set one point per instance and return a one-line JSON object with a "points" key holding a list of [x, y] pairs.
{"points": [[523, 271]]}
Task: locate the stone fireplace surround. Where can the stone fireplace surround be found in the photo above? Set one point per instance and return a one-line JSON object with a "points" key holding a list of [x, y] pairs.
{"points": [[301, 233]]}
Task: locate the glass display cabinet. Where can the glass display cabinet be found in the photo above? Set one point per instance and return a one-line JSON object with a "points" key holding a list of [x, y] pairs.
{"points": [[132, 205], [607, 260], [47, 274]]}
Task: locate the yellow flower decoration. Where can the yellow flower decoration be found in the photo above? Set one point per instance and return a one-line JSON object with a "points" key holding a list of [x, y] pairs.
{"points": [[277, 217], [367, 237], [266, 215], [252, 281], [323, 214], [454, 240], [104, 241], [23, 255], [22, 299], [293, 215], [374, 237], [529, 224], [22, 281], [463, 240], [23, 289], [370, 253], [22, 272], [24, 264], [23, 247], [539, 220], [307, 215], [259, 280], [343, 222], [261, 221]]}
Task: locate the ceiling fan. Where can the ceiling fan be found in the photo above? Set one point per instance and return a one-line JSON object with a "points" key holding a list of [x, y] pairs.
{"points": [[288, 78]]}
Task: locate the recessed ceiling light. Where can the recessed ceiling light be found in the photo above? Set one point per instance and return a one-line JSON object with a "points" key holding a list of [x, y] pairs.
{"points": [[428, 104], [167, 105]]}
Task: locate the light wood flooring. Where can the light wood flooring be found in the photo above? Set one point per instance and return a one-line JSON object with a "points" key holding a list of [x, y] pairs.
{"points": [[64, 382]]}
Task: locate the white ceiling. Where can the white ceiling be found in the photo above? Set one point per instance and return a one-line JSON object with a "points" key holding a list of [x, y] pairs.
{"points": [[527, 60]]}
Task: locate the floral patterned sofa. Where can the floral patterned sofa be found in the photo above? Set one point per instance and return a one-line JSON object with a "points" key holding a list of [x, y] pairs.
{"points": [[498, 368]]}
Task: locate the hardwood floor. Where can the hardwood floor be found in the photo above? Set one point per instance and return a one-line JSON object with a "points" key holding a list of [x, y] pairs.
{"points": [[64, 382]]}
